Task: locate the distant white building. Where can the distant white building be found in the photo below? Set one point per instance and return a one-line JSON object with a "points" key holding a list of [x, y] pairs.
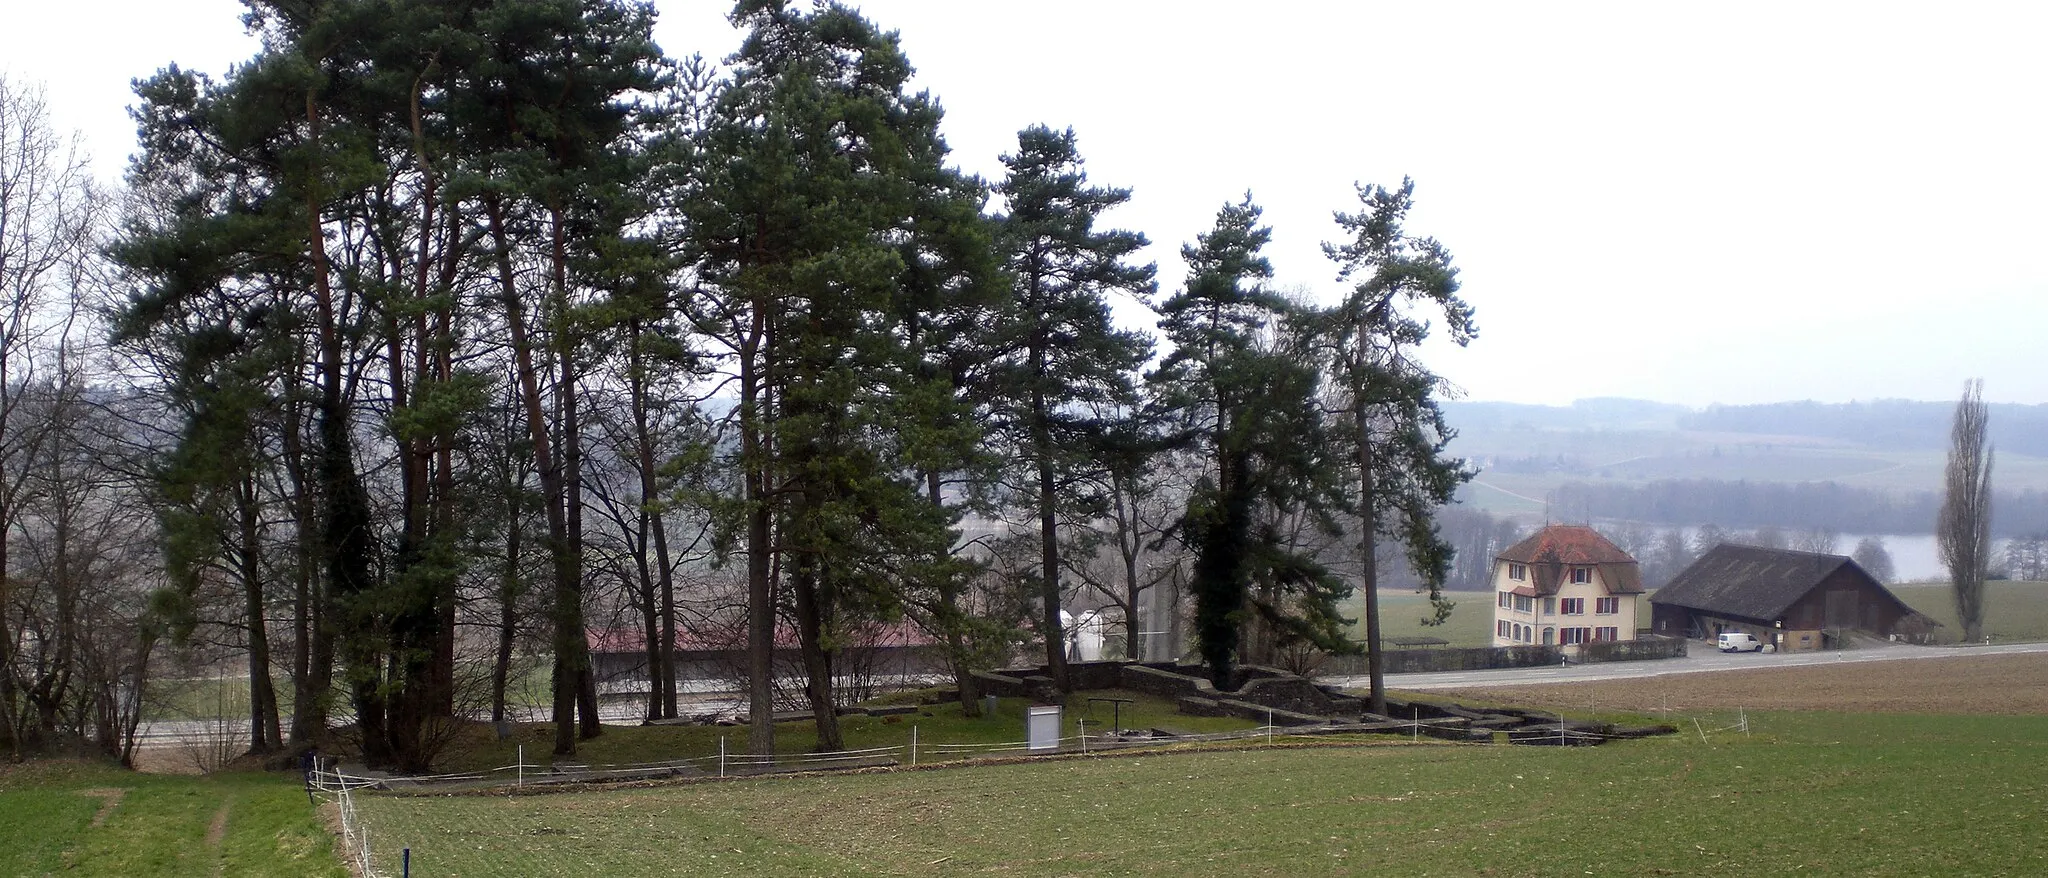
{"points": [[1084, 634], [1567, 585]]}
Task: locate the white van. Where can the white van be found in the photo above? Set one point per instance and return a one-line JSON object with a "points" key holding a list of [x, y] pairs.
{"points": [[1736, 641]]}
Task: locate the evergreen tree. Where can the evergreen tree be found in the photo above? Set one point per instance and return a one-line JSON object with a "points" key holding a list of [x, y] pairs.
{"points": [[1396, 430], [382, 169], [1245, 391], [816, 167], [1062, 357]]}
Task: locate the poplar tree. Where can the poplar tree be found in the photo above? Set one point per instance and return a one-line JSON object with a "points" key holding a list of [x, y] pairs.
{"points": [[1963, 526], [1062, 359]]}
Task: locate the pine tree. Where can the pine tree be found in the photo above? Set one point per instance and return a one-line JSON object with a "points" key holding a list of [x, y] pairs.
{"points": [[1062, 355], [1397, 432], [1244, 387], [815, 168]]}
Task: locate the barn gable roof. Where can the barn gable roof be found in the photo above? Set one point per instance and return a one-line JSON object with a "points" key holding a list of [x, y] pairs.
{"points": [[1550, 550], [1756, 583]]}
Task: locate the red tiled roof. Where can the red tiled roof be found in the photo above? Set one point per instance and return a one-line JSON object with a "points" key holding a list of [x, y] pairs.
{"points": [[1559, 546], [1566, 544]]}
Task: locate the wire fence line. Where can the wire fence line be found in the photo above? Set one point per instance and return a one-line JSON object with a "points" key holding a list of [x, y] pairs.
{"points": [[339, 788], [730, 764]]}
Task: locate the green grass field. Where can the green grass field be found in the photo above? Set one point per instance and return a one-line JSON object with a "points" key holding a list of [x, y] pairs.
{"points": [[1828, 794], [1401, 614], [2013, 611], [80, 819]]}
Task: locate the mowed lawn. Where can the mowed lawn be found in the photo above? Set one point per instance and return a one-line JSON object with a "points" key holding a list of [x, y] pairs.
{"points": [[1816, 793], [78, 819]]}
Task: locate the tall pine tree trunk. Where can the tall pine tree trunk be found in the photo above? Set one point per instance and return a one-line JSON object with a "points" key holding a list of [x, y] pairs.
{"points": [[660, 588], [754, 403], [1368, 546], [264, 736], [589, 725], [347, 520], [812, 605], [1047, 490], [568, 609]]}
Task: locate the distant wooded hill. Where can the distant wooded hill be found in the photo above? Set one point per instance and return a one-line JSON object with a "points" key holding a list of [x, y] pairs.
{"points": [[1796, 506], [1892, 424], [1863, 467], [1896, 424]]}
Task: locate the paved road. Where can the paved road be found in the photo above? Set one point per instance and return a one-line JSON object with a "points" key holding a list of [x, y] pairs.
{"points": [[1703, 659]]}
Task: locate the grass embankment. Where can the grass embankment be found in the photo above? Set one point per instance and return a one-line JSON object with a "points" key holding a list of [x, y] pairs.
{"points": [[479, 748], [1822, 793], [1401, 615], [2013, 611], [87, 819]]}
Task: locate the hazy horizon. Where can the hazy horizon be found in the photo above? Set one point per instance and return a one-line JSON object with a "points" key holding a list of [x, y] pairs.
{"points": [[1702, 204]]}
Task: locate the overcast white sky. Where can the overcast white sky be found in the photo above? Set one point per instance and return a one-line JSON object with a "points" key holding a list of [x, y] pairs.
{"points": [[1693, 203]]}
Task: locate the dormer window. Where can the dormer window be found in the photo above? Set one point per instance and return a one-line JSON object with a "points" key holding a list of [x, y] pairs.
{"points": [[1582, 575], [1518, 572]]}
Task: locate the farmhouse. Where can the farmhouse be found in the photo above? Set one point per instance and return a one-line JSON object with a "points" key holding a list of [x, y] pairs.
{"points": [[1794, 600], [1567, 585]]}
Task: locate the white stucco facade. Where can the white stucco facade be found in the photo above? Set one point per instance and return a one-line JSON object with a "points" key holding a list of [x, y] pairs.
{"points": [[1522, 617]]}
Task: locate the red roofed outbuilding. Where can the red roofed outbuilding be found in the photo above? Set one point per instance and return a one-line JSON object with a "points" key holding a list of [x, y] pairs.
{"points": [[1566, 584]]}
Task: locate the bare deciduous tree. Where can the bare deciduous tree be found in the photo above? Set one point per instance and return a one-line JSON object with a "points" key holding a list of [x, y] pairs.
{"points": [[48, 217], [1875, 559], [1963, 527], [1819, 540]]}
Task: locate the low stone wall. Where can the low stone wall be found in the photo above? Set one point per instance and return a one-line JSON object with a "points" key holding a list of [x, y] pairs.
{"points": [[1175, 683], [1421, 661], [1483, 658], [1037, 682], [1643, 648]]}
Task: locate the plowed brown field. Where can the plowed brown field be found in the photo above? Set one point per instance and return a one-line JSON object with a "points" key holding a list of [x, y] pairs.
{"points": [[2002, 684]]}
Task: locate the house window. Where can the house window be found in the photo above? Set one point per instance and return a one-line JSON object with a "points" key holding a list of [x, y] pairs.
{"points": [[1574, 606], [1609, 634], [1582, 574], [1524, 603], [1549, 636], [1500, 629], [1518, 572], [1606, 606], [1505, 601], [1550, 606], [1571, 636]]}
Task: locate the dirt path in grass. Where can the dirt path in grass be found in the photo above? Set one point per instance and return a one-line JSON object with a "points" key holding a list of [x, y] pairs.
{"points": [[217, 832], [110, 798], [1996, 684]]}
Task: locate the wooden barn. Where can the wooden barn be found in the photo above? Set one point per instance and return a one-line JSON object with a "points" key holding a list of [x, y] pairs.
{"points": [[1793, 600]]}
